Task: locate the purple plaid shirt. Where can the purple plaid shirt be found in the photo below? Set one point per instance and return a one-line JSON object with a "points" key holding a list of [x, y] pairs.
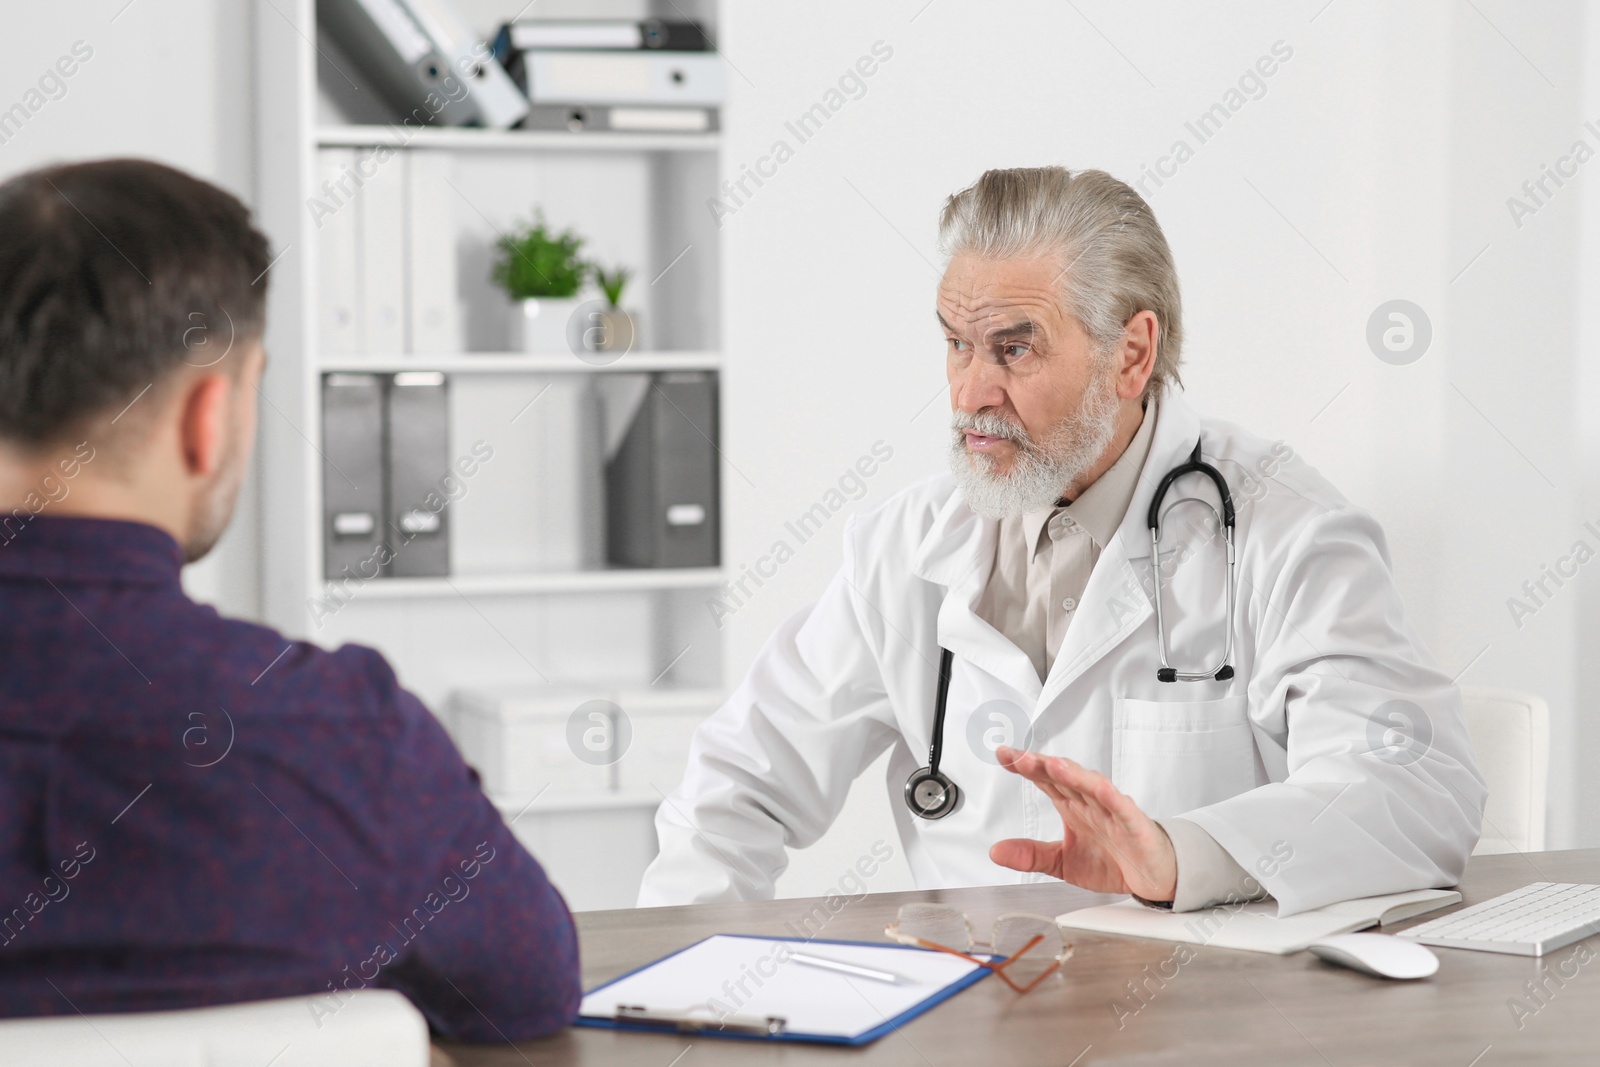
{"points": [[195, 810]]}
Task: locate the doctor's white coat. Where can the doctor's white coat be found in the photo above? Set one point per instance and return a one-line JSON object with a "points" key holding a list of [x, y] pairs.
{"points": [[1334, 764]]}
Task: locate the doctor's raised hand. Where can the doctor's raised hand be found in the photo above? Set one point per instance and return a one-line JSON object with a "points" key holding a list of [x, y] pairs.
{"points": [[1107, 844]]}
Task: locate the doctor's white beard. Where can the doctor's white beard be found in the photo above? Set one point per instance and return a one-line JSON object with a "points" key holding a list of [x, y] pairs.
{"points": [[1040, 473]]}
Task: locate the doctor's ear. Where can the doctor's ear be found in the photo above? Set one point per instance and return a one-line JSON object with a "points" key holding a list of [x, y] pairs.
{"points": [[1134, 356]]}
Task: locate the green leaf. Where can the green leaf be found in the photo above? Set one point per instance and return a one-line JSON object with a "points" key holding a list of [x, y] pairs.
{"points": [[612, 282], [533, 262]]}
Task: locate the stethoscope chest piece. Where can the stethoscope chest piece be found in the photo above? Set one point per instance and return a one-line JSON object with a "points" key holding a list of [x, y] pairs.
{"points": [[931, 795]]}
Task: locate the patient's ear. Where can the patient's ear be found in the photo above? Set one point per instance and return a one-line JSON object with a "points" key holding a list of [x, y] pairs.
{"points": [[203, 422]]}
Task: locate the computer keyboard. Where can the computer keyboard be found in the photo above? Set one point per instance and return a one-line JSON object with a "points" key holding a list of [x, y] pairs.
{"points": [[1532, 921]]}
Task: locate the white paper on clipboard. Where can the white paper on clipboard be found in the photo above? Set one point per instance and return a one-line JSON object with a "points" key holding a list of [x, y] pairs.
{"points": [[753, 977]]}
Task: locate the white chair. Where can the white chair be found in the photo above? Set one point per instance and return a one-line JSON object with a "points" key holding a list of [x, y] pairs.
{"points": [[1510, 734], [374, 1028]]}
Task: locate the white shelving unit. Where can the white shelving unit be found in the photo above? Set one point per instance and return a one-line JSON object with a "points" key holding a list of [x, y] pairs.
{"points": [[640, 198]]}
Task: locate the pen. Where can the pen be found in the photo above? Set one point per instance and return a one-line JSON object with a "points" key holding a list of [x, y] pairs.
{"points": [[826, 964]]}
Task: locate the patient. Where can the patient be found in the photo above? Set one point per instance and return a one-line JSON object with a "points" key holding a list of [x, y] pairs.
{"points": [[197, 810]]}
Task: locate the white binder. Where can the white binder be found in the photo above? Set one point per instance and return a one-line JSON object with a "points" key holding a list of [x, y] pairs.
{"points": [[559, 76], [426, 60], [494, 97], [338, 255], [382, 203], [433, 306]]}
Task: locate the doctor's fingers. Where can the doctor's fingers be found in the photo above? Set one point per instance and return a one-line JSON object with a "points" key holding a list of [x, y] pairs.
{"points": [[1096, 791], [1024, 854], [1086, 820], [1058, 769], [1045, 770], [1059, 776], [1069, 803], [1110, 820]]}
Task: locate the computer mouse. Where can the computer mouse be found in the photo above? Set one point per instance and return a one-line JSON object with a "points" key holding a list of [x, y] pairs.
{"points": [[1380, 955]]}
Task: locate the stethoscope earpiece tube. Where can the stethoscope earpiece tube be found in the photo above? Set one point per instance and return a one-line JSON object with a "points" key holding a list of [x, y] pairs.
{"points": [[1196, 465], [1224, 670], [930, 794], [941, 696]]}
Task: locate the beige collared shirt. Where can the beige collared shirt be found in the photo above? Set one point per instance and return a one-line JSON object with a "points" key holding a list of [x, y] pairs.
{"points": [[1043, 558], [1041, 568]]}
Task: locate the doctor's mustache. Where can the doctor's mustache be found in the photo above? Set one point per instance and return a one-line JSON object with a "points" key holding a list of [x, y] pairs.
{"points": [[990, 424]]}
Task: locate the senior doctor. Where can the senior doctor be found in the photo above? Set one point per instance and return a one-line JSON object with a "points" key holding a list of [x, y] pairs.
{"points": [[1331, 762]]}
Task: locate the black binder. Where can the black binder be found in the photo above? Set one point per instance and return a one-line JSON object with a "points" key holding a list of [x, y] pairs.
{"points": [[352, 475], [662, 491], [420, 479]]}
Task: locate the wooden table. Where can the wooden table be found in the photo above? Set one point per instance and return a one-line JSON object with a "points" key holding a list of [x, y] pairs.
{"points": [[1220, 1007]]}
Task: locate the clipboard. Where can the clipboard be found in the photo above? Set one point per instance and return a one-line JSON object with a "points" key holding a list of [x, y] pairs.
{"points": [[747, 987]]}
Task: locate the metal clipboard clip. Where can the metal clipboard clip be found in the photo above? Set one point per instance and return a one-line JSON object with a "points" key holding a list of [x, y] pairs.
{"points": [[701, 1020]]}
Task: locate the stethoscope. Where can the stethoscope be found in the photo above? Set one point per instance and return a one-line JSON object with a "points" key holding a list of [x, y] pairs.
{"points": [[930, 794]]}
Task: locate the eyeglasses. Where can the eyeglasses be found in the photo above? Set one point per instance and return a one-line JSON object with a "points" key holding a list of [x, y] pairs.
{"points": [[1033, 947]]}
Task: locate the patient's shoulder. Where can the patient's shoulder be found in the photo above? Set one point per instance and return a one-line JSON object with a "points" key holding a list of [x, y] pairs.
{"points": [[265, 672]]}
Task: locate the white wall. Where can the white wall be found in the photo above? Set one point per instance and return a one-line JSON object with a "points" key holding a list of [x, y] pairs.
{"points": [[1376, 165], [168, 80]]}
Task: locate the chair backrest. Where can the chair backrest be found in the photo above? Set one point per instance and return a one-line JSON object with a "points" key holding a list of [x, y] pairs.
{"points": [[1510, 734], [373, 1028]]}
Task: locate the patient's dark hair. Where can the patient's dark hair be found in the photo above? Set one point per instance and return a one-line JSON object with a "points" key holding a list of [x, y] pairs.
{"points": [[114, 274]]}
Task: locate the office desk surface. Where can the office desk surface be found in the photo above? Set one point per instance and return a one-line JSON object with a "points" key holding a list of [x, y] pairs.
{"points": [[1220, 1007]]}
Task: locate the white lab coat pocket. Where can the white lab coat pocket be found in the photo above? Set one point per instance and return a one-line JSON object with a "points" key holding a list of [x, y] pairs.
{"points": [[1175, 756]]}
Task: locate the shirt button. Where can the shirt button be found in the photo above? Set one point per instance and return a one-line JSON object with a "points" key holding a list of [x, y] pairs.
{"points": [[1069, 604]]}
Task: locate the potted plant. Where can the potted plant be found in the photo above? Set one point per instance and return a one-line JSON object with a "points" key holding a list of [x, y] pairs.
{"points": [[618, 328], [542, 273]]}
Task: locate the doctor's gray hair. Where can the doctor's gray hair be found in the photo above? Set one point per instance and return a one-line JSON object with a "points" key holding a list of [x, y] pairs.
{"points": [[1114, 258]]}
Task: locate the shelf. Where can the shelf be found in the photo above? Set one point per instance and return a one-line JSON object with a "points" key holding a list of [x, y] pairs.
{"points": [[511, 809], [521, 363], [596, 581], [512, 140]]}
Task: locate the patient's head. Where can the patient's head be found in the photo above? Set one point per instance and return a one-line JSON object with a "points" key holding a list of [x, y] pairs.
{"points": [[132, 303]]}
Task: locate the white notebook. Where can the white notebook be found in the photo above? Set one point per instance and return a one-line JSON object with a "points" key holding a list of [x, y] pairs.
{"points": [[1253, 927]]}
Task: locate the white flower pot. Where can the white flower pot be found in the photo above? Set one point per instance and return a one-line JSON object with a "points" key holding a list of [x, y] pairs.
{"points": [[543, 324]]}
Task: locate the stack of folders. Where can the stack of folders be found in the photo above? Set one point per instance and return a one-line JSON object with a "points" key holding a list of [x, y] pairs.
{"points": [[386, 476], [658, 76]]}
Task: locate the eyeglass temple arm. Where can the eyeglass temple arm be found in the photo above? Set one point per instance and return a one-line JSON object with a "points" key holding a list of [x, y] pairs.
{"points": [[998, 968]]}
